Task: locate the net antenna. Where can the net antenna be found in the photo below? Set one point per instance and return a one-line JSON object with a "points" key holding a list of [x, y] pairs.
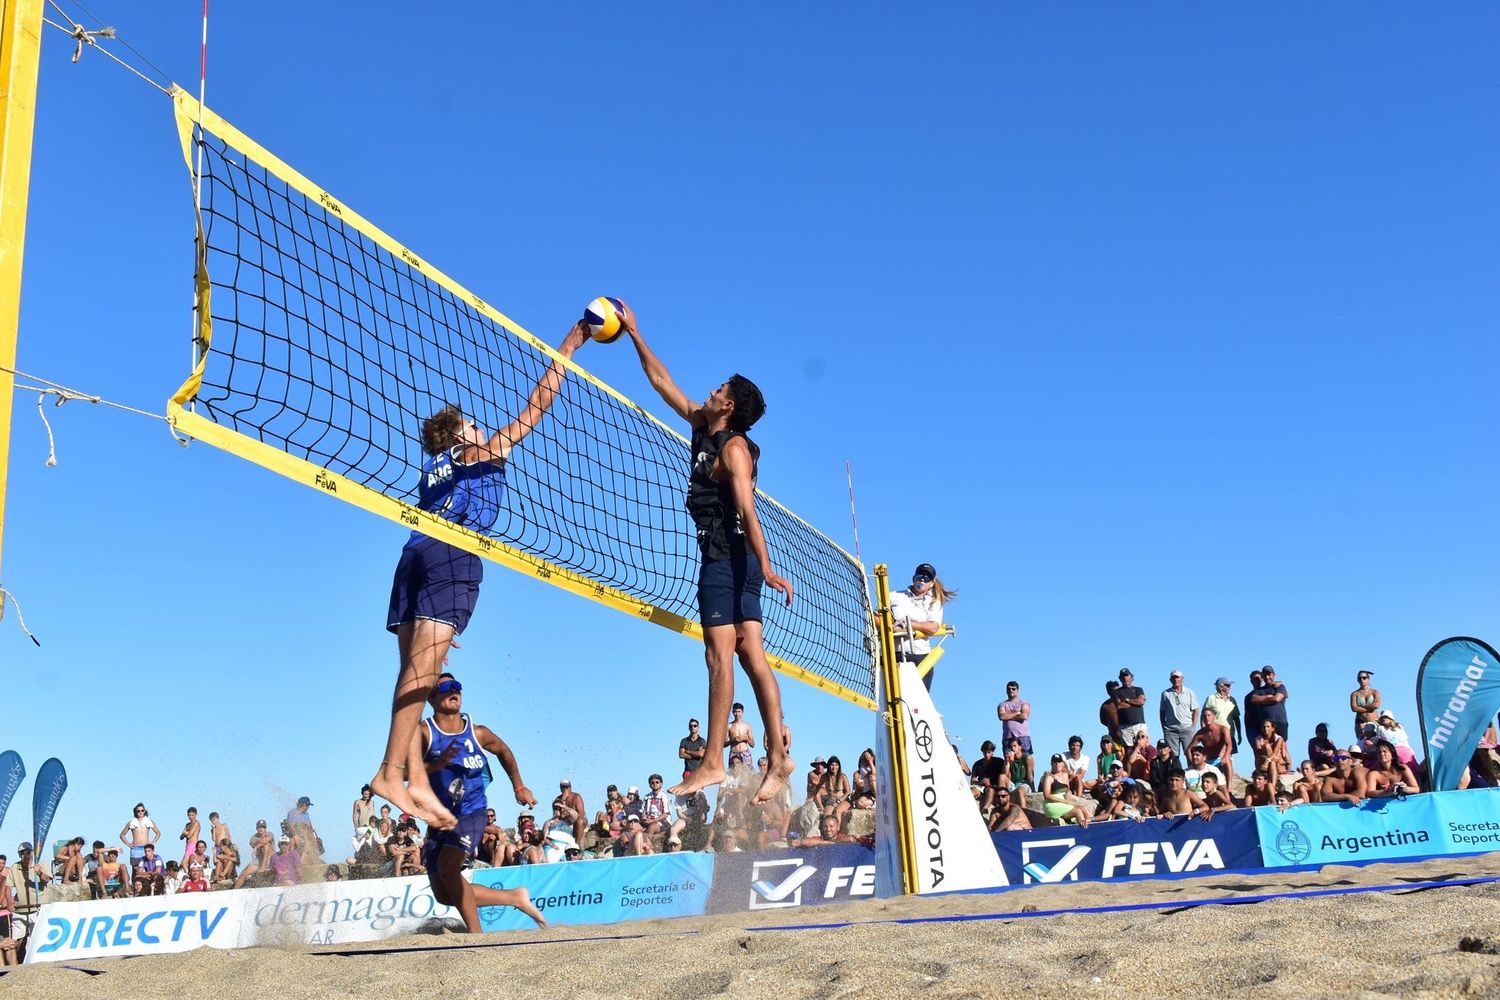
{"points": [[322, 344]]}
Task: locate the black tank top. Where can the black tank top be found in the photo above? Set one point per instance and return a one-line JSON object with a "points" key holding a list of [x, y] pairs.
{"points": [[710, 502]]}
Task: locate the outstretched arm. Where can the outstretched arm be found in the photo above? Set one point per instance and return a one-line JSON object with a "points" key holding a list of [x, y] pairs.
{"points": [[657, 374], [736, 461], [507, 437], [498, 747]]}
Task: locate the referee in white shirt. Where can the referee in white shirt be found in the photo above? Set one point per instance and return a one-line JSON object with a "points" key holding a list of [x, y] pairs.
{"points": [[919, 608]]}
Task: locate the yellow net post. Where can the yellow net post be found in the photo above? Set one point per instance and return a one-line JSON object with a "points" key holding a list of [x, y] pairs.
{"points": [[20, 55], [890, 680]]}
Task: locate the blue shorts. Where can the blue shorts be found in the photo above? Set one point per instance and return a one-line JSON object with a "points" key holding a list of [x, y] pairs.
{"points": [[729, 590], [465, 836], [436, 581]]}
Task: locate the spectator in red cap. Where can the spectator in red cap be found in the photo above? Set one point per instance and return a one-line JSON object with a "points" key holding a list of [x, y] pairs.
{"points": [[918, 611]]}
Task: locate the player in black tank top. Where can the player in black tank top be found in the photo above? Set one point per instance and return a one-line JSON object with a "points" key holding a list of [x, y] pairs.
{"points": [[721, 500]]}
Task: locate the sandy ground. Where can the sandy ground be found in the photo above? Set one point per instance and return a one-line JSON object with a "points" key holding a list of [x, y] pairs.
{"points": [[1403, 942]]}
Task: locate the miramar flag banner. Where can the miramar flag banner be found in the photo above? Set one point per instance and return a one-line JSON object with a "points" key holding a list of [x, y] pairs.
{"points": [[51, 782], [1458, 694], [12, 773], [1155, 848], [786, 879], [602, 892]]}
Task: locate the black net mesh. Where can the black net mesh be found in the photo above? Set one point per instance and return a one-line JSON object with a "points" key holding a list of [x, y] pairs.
{"points": [[333, 349]]}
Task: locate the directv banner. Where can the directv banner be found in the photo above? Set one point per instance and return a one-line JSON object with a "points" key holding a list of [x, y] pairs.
{"points": [[317, 913], [1466, 822], [602, 892], [1155, 848], [779, 880]]}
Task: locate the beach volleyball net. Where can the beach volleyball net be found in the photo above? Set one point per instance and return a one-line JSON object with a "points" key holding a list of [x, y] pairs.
{"points": [[322, 344]]}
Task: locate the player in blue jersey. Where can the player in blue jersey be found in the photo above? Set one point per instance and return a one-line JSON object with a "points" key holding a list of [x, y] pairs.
{"points": [[734, 561], [436, 584], [452, 751]]}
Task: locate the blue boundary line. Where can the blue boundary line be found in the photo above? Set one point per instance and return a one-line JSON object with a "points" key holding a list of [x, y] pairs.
{"points": [[1179, 904]]}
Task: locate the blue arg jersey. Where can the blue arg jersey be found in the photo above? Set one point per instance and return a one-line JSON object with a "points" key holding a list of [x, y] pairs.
{"points": [[458, 784], [468, 495]]}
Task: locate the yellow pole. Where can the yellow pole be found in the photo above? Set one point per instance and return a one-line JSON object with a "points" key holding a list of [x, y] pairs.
{"points": [[895, 727], [20, 55]]}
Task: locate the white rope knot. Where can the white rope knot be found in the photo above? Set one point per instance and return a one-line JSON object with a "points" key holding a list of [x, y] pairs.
{"points": [[83, 37], [4, 594], [63, 396]]}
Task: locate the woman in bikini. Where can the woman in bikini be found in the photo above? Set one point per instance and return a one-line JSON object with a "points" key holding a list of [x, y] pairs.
{"points": [[833, 790], [1364, 702]]}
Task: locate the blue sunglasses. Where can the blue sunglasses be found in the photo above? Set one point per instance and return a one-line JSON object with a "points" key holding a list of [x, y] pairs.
{"points": [[448, 686]]}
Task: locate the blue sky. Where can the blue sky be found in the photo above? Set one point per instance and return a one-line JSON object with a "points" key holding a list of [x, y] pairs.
{"points": [[1161, 330]]}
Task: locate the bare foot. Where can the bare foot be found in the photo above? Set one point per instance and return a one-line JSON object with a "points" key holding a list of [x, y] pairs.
{"points": [[418, 801], [774, 781], [706, 775], [525, 907]]}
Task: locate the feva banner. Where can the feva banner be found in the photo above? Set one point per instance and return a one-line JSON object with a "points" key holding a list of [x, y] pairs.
{"points": [[1458, 693]]}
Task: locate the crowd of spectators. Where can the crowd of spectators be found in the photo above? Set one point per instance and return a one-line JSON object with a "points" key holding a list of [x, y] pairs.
{"points": [[1189, 768]]}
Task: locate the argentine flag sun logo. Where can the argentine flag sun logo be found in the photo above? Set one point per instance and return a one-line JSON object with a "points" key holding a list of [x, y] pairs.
{"points": [[1292, 844]]}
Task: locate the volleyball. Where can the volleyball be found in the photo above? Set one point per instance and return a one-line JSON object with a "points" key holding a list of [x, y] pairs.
{"points": [[603, 318]]}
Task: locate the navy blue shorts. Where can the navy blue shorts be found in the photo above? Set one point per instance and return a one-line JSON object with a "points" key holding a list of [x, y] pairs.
{"points": [[436, 581], [465, 836], [729, 590]]}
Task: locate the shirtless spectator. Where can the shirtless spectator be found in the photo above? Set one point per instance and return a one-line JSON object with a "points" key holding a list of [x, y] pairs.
{"points": [[218, 831], [828, 833], [1215, 796], [189, 835], [1109, 714], [1014, 714], [1345, 784], [815, 772], [633, 841], [1217, 743], [262, 847], [1130, 704], [1309, 784], [1271, 754], [1178, 801], [574, 803], [492, 843], [363, 811], [153, 870], [114, 882], [1261, 791], [1385, 774], [691, 749], [740, 739], [138, 832], [226, 861]]}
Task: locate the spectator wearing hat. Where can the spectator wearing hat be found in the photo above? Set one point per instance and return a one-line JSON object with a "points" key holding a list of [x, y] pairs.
{"points": [[815, 772], [1178, 713], [1008, 813], [1321, 751], [987, 775], [197, 882], [286, 863], [262, 850], [1253, 711], [1217, 743], [1364, 702], [299, 826], [1387, 728], [1110, 752], [918, 612], [1345, 784], [1015, 714], [1130, 706], [1270, 698], [1227, 711], [1159, 774]]}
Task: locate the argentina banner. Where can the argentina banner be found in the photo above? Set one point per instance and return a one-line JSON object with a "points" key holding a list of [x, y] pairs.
{"points": [[12, 773], [1458, 694]]}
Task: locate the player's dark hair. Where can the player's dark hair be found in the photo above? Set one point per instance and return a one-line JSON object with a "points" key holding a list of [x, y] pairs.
{"points": [[749, 404], [440, 431]]}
